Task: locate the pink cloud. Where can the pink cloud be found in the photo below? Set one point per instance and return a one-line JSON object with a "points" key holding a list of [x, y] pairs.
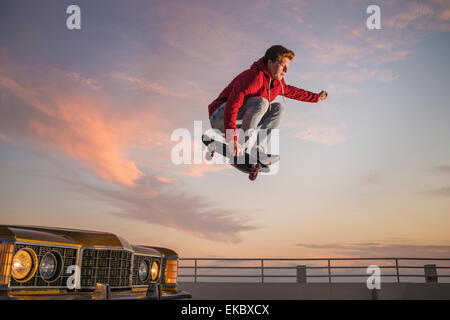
{"points": [[60, 113], [433, 15], [90, 145], [166, 179], [76, 77], [56, 113], [445, 16], [355, 47], [322, 133], [414, 12]]}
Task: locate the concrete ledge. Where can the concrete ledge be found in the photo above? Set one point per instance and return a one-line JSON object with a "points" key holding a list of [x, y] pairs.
{"points": [[315, 291]]}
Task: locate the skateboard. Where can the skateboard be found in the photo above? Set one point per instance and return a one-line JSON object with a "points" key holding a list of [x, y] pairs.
{"points": [[247, 163]]}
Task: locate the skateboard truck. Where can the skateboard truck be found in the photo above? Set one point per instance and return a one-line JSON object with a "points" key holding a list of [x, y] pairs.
{"points": [[211, 149]]}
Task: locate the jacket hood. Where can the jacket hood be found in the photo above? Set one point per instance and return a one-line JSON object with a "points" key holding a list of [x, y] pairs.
{"points": [[260, 66]]}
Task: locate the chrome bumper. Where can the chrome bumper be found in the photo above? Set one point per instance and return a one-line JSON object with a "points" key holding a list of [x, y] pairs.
{"points": [[103, 292]]}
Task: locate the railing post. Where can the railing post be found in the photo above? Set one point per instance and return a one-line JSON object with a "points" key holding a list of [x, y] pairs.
{"points": [[262, 270], [430, 273], [195, 271], [301, 273], [329, 271], [398, 273]]}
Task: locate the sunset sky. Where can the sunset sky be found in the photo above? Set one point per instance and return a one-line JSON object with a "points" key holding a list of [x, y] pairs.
{"points": [[86, 118]]}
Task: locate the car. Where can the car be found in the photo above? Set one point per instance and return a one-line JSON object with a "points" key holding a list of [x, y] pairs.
{"points": [[69, 264]]}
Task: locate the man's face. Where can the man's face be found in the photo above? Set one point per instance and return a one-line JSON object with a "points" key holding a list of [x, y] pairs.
{"points": [[279, 68]]}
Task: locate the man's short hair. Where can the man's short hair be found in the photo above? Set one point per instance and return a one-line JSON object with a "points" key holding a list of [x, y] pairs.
{"points": [[277, 52]]}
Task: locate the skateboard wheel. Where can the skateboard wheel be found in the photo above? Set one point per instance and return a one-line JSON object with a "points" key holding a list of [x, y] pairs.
{"points": [[255, 167], [208, 156], [252, 177]]}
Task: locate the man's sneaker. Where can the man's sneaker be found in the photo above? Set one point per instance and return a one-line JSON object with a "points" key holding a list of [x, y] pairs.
{"points": [[266, 159]]}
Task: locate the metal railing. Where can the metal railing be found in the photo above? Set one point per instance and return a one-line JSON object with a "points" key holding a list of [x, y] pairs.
{"points": [[430, 271]]}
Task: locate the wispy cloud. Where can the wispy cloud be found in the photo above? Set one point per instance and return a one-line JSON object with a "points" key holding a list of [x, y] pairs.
{"points": [[78, 78], [404, 25], [445, 168], [329, 134], [374, 250], [353, 75], [150, 202], [201, 32], [429, 15], [166, 179], [142, 84], [371, 178], [415, 12], [439, 192]]}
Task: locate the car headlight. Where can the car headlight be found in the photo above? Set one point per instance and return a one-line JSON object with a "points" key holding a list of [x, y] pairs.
{"points": [[24, 265], [155, 270], [143, 270], [50, 266]]}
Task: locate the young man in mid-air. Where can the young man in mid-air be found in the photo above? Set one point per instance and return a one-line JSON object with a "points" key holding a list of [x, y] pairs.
{"points": [[248, 98]]}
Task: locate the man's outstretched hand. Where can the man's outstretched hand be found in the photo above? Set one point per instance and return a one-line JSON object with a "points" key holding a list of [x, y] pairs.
{"points": [[323, 95]]}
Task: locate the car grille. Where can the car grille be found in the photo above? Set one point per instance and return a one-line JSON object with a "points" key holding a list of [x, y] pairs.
{"points": [[68, 255], [105, 266]]}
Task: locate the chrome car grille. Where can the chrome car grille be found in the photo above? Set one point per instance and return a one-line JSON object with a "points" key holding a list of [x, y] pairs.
{"points": [[105, 266], [68, 255]]}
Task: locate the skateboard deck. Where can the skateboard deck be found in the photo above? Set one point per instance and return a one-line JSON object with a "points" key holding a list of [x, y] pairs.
{"points": [[247, 163]]}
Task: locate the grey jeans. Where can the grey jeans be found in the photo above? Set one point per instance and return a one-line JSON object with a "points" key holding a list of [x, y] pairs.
{"points": [[255, 113]]}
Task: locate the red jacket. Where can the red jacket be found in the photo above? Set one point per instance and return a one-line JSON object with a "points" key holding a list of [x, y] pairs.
{"points": [[254, 82]]}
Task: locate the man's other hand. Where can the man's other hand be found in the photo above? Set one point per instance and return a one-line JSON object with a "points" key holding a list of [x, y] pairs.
{"points": [[323, 95], [235, 149]]}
